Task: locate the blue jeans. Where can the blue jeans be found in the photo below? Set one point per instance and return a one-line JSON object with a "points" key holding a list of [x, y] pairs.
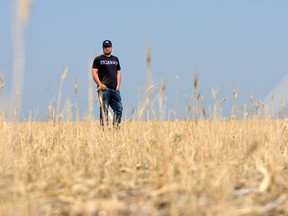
{"points": [[112, 98]]}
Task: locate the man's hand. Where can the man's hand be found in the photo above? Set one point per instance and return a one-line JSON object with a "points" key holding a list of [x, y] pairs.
{"points": [[102, 87]]}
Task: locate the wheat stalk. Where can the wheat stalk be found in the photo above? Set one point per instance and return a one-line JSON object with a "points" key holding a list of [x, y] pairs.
{"points": [[1, 83], [59, 98], [22, 14]]}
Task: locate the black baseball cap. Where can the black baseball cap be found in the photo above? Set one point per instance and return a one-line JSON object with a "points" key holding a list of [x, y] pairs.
{"points": [[107, 43]]}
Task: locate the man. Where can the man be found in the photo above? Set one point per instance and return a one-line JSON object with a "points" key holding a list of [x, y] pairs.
{"points": [[106, 72]]}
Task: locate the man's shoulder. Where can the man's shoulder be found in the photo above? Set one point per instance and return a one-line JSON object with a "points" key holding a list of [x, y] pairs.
{"points": [[114, 57], [99, 57], [96, 61]]}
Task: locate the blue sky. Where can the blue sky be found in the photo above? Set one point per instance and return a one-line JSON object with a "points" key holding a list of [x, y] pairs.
{"points": [[237, 44]]}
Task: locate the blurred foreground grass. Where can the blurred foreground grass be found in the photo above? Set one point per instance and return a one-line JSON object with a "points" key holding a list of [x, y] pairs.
{"points": [[217, 167]]}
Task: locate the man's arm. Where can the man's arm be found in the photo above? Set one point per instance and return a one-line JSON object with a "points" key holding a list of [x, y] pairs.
{"points": [[97, 80], [118, 80]]}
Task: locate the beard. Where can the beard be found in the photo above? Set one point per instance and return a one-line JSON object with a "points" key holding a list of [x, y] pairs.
{"points": [[107, 52]]}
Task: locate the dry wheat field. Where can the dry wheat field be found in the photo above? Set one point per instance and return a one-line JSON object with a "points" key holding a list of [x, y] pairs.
{"points": [[196, 167], [206, 167]]}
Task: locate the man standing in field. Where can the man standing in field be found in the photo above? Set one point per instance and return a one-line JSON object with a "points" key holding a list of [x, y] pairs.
{"points": [[106, 72]]}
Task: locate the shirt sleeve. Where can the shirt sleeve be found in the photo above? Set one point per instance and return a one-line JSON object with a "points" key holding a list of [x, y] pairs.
{"points": [[96, 63], [118, 66]]}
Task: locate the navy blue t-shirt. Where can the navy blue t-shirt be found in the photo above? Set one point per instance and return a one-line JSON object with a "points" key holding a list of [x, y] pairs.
{"points": [[107, 70]]}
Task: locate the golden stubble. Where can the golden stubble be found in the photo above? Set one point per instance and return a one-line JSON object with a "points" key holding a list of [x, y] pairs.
{"points": [[208, 167]]}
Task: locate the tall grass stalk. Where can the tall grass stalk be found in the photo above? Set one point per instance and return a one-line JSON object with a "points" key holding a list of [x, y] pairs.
{"points": [[196, 96], [59, 97], [91, 96], [176, 98], [160, 102], [76, 102], [1, 83], [147, 104], [22, 13], [234, 108]]}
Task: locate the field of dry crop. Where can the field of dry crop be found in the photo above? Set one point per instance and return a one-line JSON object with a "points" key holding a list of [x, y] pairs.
{"points": [[216, 167], [205, 167]]}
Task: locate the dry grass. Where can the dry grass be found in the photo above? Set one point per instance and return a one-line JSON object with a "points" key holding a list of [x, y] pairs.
{"points": [[202, 167], [147, 168]]}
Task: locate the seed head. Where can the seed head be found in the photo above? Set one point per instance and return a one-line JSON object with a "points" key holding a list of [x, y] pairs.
{"points": [[1, 83], [50, 112], [196, 78], [222, 101], [148, 56], [235, 94], [64, 75], [162, 89], [214, 94], [75, 88], [23, 10]]}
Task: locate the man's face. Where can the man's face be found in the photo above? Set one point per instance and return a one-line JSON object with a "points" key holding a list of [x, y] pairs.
{"points": [[107, 50]]}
